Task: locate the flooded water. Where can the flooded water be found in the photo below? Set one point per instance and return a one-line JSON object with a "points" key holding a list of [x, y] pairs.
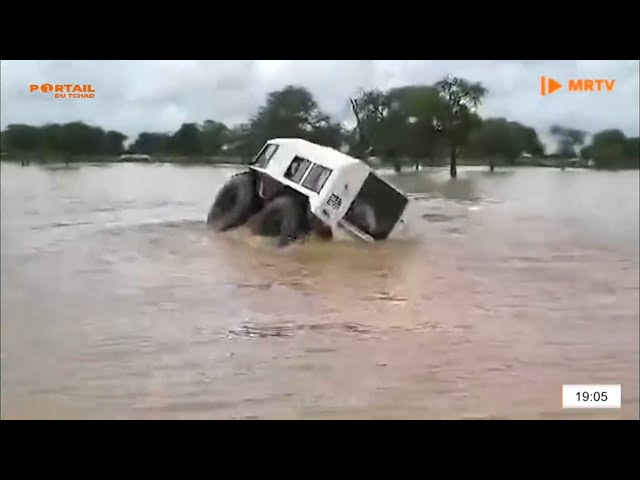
{"points": [[118, 302]]}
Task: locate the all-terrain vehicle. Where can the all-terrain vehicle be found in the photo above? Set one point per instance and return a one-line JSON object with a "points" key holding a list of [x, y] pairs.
{"points": [[294, 187]]}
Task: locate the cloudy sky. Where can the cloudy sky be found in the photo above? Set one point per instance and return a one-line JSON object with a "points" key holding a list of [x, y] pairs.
{"points": [[134, 96]]}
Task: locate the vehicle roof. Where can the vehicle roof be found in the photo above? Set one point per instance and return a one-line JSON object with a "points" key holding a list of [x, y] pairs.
{"points": [[329, 157]]}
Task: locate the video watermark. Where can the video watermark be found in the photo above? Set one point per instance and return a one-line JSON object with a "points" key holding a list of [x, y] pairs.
{"points": [[67, 90], [549, 85]]}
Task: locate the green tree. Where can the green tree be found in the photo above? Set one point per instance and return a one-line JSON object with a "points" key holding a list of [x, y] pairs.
{"points": [[70, 139], [214, 136], [499, 138], [586, 152], [529, 140], [610, 149], [240, 142], [457, 116], [290, 112], [632, 151], [568, 140], [52, 138], [22, 137], [495, 138], [374, 132], [114, 143], [78, 138], [415, 109], [187, 140], [150, 143]]}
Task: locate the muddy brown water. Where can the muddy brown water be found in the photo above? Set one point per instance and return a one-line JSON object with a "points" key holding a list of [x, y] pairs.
{"points": [[118, 302]]}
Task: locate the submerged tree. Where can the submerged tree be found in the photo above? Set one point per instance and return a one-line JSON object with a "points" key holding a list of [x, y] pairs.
{"points": [[415, 111], [568, 140], [398, 122], [457, 116], [499, 138], [370, 109], [611, 149]]}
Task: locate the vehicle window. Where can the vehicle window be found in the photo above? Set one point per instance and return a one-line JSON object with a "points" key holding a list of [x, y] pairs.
{"points": [[297, 169], [317, 178], [263, 158]]}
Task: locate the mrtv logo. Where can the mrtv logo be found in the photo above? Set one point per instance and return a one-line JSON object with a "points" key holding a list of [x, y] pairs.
{"points": [[549, 85], [66, 90]]}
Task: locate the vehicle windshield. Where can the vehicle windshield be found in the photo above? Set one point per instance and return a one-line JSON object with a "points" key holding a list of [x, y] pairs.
{"points": [[263, 158]]}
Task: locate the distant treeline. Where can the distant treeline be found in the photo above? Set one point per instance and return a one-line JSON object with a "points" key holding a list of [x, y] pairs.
{"points": [[406, 126]]}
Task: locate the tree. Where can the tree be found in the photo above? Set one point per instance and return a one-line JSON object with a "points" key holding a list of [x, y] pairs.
{"points": [[78, 138], [632, 151], [500, 138], [495, 138], [529, 140], [114, 143], [240, 142], [150, 143], [568, 140], [22, 137], [609, 149], [586, 153], [52, 138], [187, 140], [214, 136], [457, 114], [70, 139], [371, 109], [293, 112], [329, 134], [415, 109], [398, 122]]}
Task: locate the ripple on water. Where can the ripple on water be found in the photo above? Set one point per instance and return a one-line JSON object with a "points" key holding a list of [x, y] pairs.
{"points": [[290, 330]]}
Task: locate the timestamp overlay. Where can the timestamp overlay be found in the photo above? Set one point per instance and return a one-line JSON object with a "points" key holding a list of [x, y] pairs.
{"points": [[591, 396]]}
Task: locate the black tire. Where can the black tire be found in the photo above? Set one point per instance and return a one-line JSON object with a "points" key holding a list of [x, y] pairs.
{"points": [[234, 203], [282, 217], [319, 228]]}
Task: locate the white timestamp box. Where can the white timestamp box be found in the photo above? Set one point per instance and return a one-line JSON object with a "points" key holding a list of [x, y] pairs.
{"points": [[591, 396]]}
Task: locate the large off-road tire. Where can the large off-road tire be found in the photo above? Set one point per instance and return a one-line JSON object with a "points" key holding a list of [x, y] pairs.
{"points": [[234, 203], [282, 217], [318, 227]]}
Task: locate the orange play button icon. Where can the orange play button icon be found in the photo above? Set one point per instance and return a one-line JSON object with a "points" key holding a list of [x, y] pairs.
{"points": [[548, 85]]}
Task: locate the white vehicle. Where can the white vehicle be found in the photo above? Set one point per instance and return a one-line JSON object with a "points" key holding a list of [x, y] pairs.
{"points": [[294, 187]]}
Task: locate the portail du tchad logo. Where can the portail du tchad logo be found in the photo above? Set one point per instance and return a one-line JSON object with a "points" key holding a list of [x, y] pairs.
{"points": [[67, 90]]}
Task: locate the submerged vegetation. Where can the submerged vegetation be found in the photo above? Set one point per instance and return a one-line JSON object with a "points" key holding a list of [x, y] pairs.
{"points": [[405, 127]]}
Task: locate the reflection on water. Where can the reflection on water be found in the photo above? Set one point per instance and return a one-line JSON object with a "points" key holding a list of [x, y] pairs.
{"points": [[117, 302]]}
